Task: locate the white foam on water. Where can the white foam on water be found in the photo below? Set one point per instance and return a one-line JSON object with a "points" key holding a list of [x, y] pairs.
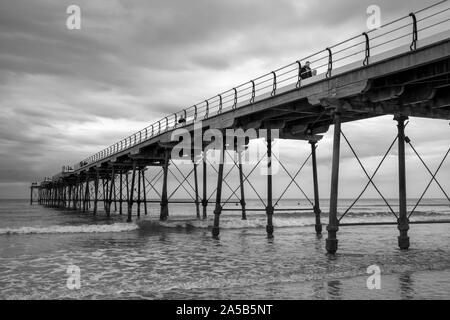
{"points": [[85, 228], [235, 223]]}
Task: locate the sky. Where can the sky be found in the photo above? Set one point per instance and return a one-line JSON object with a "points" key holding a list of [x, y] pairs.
{"points": [[66, 94]]}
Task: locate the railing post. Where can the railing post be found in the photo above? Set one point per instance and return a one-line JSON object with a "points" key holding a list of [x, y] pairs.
{"points": [[252, 99], [207, 109], [274, 85], [367, 51], [330, 63], [299, 76], [403, 221], [220, 104], [413, 45]]}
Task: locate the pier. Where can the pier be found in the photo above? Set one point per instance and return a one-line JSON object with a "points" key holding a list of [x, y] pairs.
{"points": [[401, 69]]}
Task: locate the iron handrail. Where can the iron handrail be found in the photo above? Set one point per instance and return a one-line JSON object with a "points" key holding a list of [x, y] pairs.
{"points": [[216, 104]]}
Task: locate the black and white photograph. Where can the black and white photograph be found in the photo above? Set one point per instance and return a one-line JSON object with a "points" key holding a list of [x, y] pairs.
{"points": [[224, 155]]}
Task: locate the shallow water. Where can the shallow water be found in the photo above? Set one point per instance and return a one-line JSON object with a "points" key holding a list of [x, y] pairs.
{"points": [[178, 259]]}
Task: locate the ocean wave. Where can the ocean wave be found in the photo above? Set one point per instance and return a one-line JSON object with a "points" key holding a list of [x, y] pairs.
{"points": [[227, 223], [85, 228]]}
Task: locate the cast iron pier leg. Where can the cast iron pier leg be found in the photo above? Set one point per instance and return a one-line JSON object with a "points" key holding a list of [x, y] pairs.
{"points": [[205, 196], [197, 202], [241, 186], [269, 207], [403, 222], [145, 193], [316, 188], [164, 202], [218, 207], [130, 198], [333, 224]]}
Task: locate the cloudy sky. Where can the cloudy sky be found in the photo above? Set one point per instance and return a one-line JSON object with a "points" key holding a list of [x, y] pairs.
{"points": [[65, 94]]}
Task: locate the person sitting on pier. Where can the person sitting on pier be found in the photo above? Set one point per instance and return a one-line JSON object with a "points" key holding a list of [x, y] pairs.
{"points": [[306, 71]]}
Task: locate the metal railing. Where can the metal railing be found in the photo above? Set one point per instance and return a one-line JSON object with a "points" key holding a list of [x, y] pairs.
{"points": [[360, 48]]}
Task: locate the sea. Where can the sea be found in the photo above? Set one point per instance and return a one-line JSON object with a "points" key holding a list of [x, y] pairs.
{"points": [[48, 253]]}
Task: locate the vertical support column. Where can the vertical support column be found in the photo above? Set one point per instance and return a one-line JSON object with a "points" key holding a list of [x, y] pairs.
{"points": [[115, 195], [96, 191], [65, 195], [75, 193], [218, 207], [80, 196], [197, 202], [128, 185], [333, 224], [69, 198], [131, 192], [403, 221], [145, 192], [317, 211], [164, 202], [205, 194], [113, 175], [103, 193], [86, 192], [120, 193], [269, 207], [31, 195], [241, 186], [139, 193]]}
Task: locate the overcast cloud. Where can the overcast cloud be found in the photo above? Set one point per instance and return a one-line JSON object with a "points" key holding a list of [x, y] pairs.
{"points": [[65, 94]]}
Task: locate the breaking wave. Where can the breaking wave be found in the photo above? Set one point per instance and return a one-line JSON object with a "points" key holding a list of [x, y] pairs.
{"points": [[85, 228], [228, 223]]}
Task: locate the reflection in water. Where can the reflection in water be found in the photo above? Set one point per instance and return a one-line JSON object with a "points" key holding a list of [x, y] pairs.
{"points": [[334, 289], [406, 286]]}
